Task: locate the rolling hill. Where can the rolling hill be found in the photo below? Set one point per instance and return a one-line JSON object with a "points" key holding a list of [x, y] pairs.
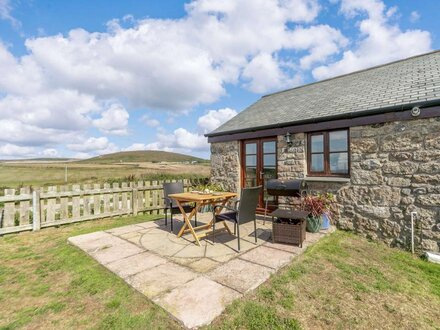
{"points": [[153, 156]]}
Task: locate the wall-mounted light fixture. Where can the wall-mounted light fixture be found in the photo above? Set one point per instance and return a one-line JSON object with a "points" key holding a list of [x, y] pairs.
{"points": [[288, 139]]}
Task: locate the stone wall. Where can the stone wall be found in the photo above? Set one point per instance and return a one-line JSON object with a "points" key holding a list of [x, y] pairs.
{"points": [[225, 165], [395, 170]]}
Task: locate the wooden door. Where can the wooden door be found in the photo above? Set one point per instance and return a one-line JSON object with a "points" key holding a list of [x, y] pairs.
{"points": [[259, 164]]}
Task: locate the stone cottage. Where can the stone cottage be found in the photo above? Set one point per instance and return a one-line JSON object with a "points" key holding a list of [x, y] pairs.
{"points": [[372, 137]]}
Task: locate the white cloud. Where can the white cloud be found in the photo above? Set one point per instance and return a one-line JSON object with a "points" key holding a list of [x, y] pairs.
{"points": [[380, 42], [62, 88], [155, 58], [50, 152], [150, 122], [414, 16], [214, 118], [182, 140], [5, 13], [136, 146], [113, 121], [93, 146], [14, 151], [179, 139], [265, 74], [321, 41]]}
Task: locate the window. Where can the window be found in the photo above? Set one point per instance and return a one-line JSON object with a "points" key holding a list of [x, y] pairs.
{"points": [[328, 153]]}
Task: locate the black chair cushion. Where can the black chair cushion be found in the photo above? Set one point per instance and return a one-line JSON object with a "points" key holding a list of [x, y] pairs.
{"points": [[231, 216], [176, 210]]}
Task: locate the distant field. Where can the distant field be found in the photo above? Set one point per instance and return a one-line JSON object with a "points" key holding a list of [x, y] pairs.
{"points": [[152, 156], [128, 165], [42, 174]]}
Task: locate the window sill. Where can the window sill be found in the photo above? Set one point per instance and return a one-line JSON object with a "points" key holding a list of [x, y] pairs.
{"points": [[326, 179]]}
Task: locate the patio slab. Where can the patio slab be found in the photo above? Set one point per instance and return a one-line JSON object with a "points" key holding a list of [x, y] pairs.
{"points": [[240, 275], [195, 306], [106, 255], [160, 279], [194, 284], [203, 265], [268, 257], [135, 264]]}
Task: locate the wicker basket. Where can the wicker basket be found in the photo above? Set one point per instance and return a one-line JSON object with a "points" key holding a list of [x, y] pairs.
{"points": [[289, 233]]}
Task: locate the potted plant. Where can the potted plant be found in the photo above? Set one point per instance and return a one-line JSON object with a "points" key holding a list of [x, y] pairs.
{"points": [[328, 200], [315, 205]]}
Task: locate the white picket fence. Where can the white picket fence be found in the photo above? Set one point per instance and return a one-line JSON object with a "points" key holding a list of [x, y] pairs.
{"points": [[33, 209]]}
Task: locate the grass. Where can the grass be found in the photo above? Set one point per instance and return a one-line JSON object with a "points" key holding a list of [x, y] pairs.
{"points": [[142, 156], [13, 175], [343, 281], [46, 283]]}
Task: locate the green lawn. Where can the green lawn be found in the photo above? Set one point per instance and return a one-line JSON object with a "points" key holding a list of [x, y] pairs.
{"points": [[46, 283], [343, 281]]}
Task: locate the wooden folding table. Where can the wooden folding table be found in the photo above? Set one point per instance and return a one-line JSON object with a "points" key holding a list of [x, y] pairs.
{"points": [[200, 200]]}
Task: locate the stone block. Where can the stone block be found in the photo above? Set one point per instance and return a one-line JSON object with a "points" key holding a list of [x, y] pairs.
{"points": [[382, 212], [426, 156], [135, 264], [370, 164], [240, 275], [108, 254], [432, 141], [400, 168], [432, 179], [160, 279], [401, 156], [430, 167], [365, 145], [266, 256], [195, 307], [402, 141], [429, 200], [360, 177], [398, 181]]}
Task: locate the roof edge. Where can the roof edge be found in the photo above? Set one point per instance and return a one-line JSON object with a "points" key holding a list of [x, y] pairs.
{"points": [[368, 112], [353, 72]]}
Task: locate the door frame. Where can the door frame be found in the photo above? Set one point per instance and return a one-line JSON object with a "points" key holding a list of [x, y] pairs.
{"points": [[259, 165]]}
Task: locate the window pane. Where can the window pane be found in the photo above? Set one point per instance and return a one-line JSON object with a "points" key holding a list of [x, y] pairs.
{"points": [[269, 160], [317, 143], [338, 141], [251, 177], [339, 163], [251, 161], [317, 164], [269, 147], [251, 148]]}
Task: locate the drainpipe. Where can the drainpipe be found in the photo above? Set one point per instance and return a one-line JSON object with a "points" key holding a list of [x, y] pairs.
{"points": [[413, 217]]}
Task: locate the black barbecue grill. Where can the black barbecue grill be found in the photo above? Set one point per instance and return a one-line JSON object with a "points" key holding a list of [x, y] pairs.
{"points": [[293, 188], [288, 188]]}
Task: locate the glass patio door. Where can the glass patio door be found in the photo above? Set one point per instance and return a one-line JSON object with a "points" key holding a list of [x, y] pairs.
{"points": [[259, 164]]}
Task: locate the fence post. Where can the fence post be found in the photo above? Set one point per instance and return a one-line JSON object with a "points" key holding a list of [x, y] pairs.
{"points": [[36, 210], [134, 201]]}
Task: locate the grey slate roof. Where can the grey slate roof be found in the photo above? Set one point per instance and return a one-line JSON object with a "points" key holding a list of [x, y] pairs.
{"points": [[408, 81]]}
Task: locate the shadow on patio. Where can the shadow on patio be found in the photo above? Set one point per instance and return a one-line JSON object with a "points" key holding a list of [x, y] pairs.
{"points": [[193, 283]]}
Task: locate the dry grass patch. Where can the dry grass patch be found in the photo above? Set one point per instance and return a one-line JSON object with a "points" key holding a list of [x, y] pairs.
{"points": [[344, 281], [47, 284], [43, 174]]}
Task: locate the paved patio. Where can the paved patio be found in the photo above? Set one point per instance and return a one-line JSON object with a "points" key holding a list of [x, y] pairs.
{"points": [[194, 284]]}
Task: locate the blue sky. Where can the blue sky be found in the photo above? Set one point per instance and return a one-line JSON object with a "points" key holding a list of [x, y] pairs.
{"points": [[82, 78]]}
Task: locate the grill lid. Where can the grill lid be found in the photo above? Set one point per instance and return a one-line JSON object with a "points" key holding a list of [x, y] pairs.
{"points": [[286, 188]]}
